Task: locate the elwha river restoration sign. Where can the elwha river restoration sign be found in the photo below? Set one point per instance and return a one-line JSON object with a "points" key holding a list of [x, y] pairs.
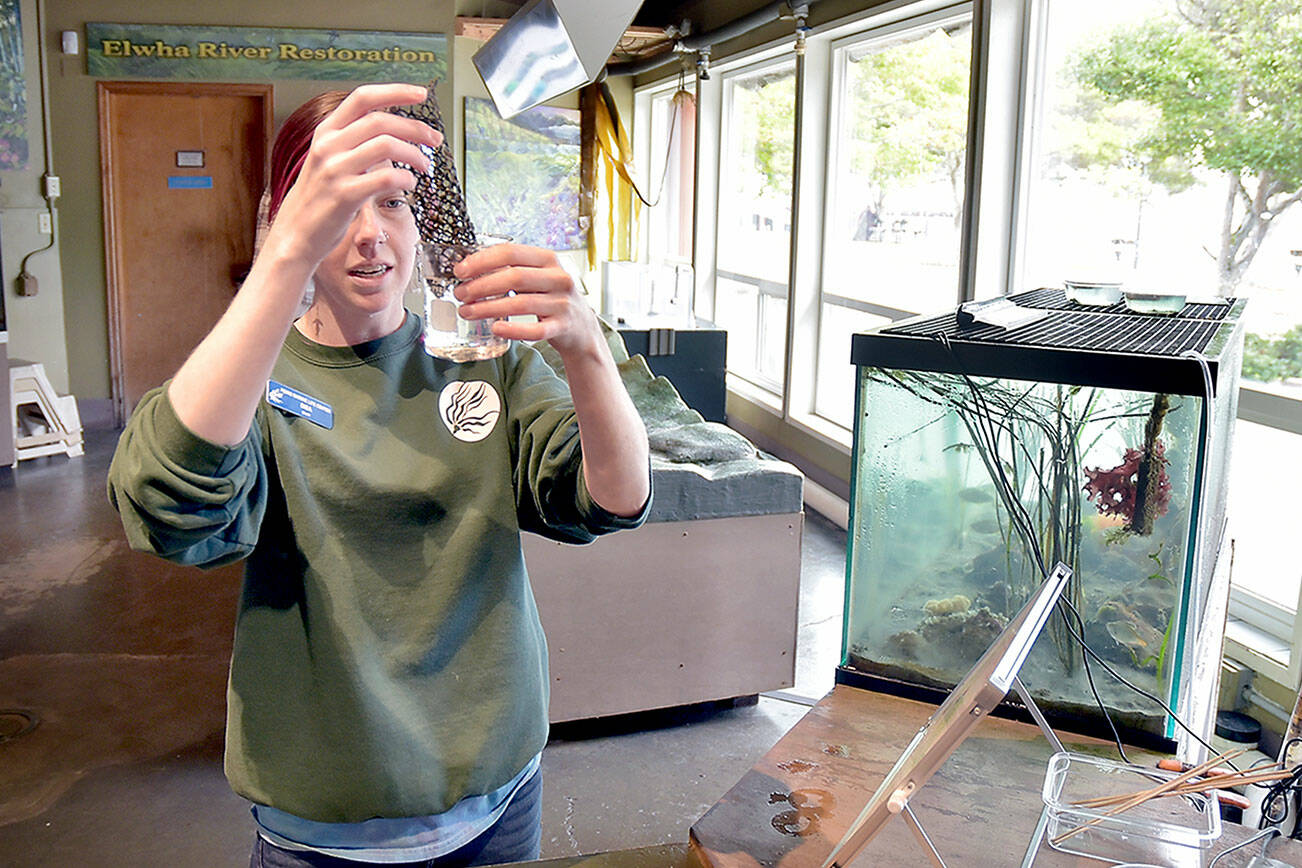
{"points": [[262, 53]]}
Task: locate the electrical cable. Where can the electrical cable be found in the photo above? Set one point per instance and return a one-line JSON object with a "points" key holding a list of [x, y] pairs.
{"points": [[1268, 834], [1275, 804], [1142, 692], [1079, 635], [1196, 558], [24, 276]]}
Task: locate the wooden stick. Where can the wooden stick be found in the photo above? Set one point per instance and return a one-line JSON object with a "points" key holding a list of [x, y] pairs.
{"points": [[1188, 773], [1144, 796], [1176, 781], [1196, 787], [1217, 782]]}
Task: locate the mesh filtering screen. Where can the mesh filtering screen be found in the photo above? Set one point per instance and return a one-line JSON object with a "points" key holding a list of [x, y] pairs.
{"points": [[438, 203], [1121, 332]]}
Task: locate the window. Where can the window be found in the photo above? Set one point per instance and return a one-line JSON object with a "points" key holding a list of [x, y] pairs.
{"points": [[1267, 578], [671, 113], [754, 225], [894, 192], [1148, 141], [1183, 186], [1160, 164]]}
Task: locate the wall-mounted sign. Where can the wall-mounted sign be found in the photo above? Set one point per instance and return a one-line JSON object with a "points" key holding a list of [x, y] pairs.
{"points": [[189, 182], [189, 159], [262, 53]]}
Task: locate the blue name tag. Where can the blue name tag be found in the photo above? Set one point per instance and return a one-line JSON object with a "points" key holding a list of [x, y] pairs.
{"points": [[282, 397]]}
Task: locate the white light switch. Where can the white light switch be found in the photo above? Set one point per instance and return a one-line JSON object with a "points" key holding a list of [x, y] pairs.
{"points": [[43, 223]]}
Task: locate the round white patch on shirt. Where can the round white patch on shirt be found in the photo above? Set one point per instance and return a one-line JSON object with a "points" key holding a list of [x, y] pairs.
{"points": [[470, 409]]}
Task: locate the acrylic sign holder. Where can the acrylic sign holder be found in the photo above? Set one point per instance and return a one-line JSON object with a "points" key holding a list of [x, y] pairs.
{"points": [[985, 685]]}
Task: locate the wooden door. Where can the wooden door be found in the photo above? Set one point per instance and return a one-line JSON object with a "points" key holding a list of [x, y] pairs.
{"points": [[183, 167]]}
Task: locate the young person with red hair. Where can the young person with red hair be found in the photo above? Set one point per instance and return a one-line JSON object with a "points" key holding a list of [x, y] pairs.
{"points": [[387, 700]]}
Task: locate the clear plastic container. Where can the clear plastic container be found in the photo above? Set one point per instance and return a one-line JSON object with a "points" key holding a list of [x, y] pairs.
{"points": [[1154, 302], [1169, 830], [1093, 294], [447, 334]]}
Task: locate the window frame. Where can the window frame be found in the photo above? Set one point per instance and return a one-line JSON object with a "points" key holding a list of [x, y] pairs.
{"points": [[1255, 628], [838, 50], [770, 392], [1265, 621]]}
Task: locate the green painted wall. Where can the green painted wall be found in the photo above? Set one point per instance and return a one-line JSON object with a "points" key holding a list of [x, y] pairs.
{"points": [[74, 131], [34, 323]]}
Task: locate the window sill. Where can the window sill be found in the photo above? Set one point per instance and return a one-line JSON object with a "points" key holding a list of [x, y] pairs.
{"points": [[754, 394], [1270, 405], [1269, 656], [828, 432]]}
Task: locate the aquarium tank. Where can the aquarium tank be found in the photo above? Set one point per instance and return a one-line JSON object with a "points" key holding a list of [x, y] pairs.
{"points": [[984, 454]]}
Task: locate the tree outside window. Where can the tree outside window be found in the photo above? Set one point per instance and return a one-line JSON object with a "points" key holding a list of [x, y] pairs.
{"points": [[1174, 159]]}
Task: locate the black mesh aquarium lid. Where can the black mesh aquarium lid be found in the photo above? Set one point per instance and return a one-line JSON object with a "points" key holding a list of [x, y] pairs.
{"points": [[1093, 346]]}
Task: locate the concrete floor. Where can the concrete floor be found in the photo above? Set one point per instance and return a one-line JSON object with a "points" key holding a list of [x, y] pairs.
{"points": [[122, 657]]}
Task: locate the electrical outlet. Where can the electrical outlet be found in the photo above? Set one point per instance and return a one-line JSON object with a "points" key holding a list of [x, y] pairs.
{"points": [[43, 223]]}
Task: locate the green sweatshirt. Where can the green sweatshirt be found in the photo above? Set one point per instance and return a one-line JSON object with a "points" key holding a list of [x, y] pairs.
{"points": [[388, 655]]}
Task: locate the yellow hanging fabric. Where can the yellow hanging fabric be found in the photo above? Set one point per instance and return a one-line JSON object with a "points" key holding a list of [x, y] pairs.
{"points": [[617, 157], [608, 137]]}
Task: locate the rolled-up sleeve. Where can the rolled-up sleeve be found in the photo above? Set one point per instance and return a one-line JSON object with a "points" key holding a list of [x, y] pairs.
{"points": [[182, 497], [552, 496]]}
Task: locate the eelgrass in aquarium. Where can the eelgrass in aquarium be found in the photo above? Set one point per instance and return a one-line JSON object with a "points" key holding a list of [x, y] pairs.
{"points": [[1031, 438]]}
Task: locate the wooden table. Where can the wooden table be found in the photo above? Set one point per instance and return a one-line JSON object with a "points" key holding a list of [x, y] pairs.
{"points": [[981, 809]]}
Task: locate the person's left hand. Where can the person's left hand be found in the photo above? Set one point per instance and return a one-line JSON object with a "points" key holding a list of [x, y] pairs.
{"points": [[506, 280]]}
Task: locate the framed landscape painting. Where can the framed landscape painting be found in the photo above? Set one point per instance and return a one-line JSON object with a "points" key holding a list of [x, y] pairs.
{"points": [[522, 174]]}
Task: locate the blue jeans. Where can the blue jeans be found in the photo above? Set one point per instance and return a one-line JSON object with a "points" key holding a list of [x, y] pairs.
{"points": [[515, 837]]}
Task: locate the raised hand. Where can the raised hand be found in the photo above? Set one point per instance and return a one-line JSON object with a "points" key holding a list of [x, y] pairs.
{"points": [[514, 280], [350, 161], [506, 280]]}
